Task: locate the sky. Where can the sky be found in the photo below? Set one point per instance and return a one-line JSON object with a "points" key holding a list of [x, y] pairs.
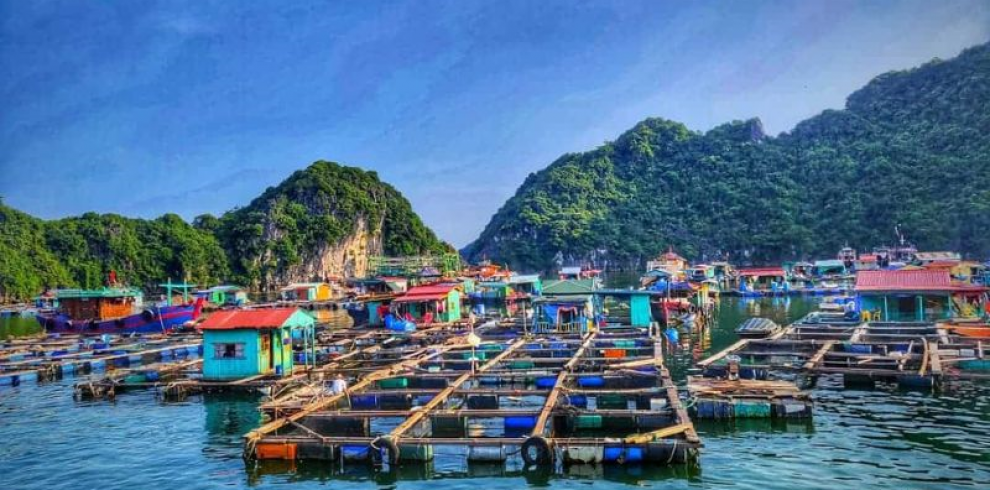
{"points": [[143, 107]]}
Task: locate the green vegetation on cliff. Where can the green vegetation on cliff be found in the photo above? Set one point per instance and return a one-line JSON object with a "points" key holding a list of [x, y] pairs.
{"points": [[315, 208], [912, 148]]}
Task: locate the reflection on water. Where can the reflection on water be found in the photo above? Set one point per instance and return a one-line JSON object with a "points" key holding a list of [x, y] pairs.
{"points": [[879, 438], [16, 325]]}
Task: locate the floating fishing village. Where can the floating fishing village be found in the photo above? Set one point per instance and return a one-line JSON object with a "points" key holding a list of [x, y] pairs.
{"points": [[498, 244], [550, 371]]}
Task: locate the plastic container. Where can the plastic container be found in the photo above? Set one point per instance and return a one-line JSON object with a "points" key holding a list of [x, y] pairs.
{"points": [[393, 383], [583, 454], [482, 402], [355, 452], [612, 402], [487, 453], [579, 401], [546, 382], [519, 423], [416, 452], [364, 402], [588, 422], [591, 381]]}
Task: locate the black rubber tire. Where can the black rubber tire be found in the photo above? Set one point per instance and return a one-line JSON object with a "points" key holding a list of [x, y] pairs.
{"points": [[387, 451], [536, 451]]}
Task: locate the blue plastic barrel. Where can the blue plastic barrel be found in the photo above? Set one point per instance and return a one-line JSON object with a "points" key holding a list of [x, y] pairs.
{"points": [[364, 402], [519, 423], [546, 382], [612, 454], [591, 381], [580, 401]]}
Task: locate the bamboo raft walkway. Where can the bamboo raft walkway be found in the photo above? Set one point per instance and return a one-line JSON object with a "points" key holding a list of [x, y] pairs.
{"points": [[556, 397], [909, 353]]}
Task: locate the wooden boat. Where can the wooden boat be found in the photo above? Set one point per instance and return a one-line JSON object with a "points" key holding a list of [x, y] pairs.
{"points": [[973, 332], [757, 328], [114, 310]]}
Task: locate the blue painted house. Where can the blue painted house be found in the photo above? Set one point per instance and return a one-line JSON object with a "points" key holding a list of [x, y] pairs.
{"points": [[244, 343]]}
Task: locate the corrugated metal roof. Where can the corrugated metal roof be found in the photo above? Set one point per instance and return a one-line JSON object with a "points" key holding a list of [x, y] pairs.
{"points": [[904, 280], [262, 318], [432, 292], [762, 272]]}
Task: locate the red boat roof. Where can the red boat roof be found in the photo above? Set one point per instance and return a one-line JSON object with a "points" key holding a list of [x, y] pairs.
{"points": [[256, 319], [432, 292]]}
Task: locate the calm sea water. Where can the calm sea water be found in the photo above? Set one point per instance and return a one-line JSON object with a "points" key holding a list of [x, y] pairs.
{"points": [[883, 438]]}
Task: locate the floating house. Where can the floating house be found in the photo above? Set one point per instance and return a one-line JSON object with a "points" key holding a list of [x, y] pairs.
{"points": [[223, 295], [926, 258], [867, 262], [246, 343], [670, 262], [914, 295], [440, 303], [847, 255], [512, 287], [306, 291], [701, 272], [637, 300], [566, 306], [827, 268], [761, 278]]}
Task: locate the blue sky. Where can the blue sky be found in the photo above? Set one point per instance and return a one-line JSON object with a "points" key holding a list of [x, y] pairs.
{"points": [[143, 107]]}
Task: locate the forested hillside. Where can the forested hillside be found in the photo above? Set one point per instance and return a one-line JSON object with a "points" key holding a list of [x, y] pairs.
{"points": [[912, 148], [316, 224]]}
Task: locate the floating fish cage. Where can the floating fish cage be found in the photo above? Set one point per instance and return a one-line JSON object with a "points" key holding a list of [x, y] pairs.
{"points": [[720, 398], [597, 398], [55, 356], [911, 354]]}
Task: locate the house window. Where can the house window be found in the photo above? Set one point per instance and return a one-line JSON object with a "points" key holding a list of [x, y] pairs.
{"points": [[228, 351]]}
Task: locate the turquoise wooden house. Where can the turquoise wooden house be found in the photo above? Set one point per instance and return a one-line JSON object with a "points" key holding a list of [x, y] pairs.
{"points": [[910, 295], [245, 343], [441, 301]]}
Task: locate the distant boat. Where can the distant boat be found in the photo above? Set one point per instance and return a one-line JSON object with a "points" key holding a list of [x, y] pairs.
{"points": [[757, 328], [114, 310]]}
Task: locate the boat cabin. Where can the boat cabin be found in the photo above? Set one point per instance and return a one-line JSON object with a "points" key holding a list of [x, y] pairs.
{"points": [[99, 304], [916, 295], [241, 344], [227, 295], [306, 291], [435, 303]]}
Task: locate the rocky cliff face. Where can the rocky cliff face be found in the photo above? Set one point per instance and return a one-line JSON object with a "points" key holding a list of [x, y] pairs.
{"points": [[348, 257], [324, 221]]}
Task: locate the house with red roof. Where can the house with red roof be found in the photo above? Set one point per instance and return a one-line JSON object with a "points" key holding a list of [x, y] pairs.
{"points": [[915, 295], [240, 344], [430, 303]]}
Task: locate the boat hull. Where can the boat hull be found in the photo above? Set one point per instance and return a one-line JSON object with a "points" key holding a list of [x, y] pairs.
{"points": [[972, 332], [152, 320]]}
